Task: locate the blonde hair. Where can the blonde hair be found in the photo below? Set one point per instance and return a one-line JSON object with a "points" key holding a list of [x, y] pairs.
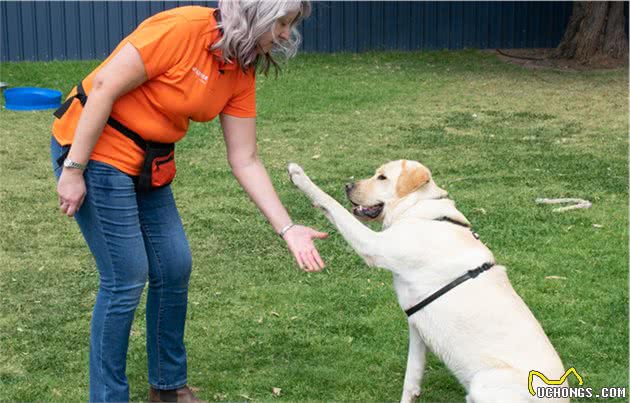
{"points": [[243, 22]]}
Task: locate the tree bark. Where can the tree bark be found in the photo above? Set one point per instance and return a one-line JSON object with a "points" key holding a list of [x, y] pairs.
{"points": [[595, 30], [615, 42]]}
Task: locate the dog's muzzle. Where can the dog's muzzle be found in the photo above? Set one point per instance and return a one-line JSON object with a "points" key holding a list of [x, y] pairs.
{"points": [[367, 211], [370, 212]]}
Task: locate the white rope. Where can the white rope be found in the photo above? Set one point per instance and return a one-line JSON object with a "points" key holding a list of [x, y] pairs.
{"points": [[579, 203]]}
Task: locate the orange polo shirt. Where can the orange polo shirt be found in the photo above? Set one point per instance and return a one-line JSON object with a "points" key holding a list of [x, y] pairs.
{"points": [[185, 81]]}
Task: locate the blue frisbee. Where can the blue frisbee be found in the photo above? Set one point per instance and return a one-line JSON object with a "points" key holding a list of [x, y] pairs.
{"points": [[31, 98]]}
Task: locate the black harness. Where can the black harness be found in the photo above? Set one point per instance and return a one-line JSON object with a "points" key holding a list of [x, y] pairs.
{"points": [[444, 218], [467, 276]]}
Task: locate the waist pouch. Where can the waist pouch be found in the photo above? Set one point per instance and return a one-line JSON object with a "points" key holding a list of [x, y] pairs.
{"points": [[158, 168]]}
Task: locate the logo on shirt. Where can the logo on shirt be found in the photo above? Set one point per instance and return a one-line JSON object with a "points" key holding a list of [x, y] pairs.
{"points": [[199, 74]]}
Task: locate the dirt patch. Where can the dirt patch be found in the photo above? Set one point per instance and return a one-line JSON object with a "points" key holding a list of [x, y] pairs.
{"points": [[540, 58]]}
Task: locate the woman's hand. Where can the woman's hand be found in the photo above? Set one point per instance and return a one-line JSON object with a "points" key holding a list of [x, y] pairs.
{"points": [[299, 239], [71, 190]]}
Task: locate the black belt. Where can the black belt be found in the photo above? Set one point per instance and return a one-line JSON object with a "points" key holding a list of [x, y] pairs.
{"points": [[469, 274], [82, 97]]}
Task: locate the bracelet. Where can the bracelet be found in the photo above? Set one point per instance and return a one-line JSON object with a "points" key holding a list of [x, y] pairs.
{"points": [[285, 229]]}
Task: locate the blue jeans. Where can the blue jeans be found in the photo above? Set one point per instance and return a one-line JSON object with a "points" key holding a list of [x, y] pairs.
{"points": [[133, 237]]}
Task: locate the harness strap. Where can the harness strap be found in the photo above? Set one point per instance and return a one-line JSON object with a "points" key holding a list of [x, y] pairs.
{"points": [[461, 224], [448, 219], [122, 129], [467, 276]]}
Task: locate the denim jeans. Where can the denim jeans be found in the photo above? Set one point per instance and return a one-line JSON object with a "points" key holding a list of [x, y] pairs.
{"points": [[133, 237]]}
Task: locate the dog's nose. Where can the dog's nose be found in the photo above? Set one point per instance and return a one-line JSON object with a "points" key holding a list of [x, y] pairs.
{"points": [[349, 186]]}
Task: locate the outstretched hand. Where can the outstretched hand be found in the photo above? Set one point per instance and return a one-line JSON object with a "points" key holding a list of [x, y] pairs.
{"points": [[299, 239]]}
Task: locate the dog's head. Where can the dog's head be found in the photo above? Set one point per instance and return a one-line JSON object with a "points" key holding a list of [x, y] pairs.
{"points": [[390, 184]]}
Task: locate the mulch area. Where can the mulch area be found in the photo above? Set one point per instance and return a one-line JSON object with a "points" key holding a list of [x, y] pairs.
{"points": [[540, 58]]}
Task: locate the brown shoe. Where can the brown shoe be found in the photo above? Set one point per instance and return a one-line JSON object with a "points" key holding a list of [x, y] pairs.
{"points": [[181, 395]]}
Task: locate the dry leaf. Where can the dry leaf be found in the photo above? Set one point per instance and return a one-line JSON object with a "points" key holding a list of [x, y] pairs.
{"points": [[555, 278], [598, 226], [316, 156], [276, 314], [276, 391], [246, 397], [260, 320]]}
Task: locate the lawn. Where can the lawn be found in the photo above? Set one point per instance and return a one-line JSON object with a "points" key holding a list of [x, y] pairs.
{"points": [[496, 136]]}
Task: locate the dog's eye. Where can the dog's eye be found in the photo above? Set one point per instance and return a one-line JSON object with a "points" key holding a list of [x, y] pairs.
{"points": [[382, 177]]}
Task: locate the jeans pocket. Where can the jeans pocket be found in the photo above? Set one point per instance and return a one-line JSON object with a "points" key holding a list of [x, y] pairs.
{"points": [[107, 178]]}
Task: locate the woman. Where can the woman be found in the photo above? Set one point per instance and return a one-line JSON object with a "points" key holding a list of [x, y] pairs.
{"points": [[185, 63]]}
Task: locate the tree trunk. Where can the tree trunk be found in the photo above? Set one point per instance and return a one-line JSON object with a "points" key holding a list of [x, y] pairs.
{"points": [[596, 30]]}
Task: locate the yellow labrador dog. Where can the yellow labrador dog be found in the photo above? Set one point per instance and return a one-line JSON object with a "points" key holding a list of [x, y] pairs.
{"points": [[459, 302]]}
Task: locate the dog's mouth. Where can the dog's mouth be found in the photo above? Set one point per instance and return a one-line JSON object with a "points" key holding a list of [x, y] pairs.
{"points": [[370, 212]]}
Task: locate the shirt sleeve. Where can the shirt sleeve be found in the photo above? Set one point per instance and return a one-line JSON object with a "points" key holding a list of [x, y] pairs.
{"points": [[243, 103], [161, 41]]}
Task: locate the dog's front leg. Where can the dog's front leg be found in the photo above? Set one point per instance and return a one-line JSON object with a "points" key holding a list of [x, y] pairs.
{"points": [[362, 239], [416, 359]]}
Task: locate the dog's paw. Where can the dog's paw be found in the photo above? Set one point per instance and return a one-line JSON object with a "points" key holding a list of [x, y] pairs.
{"points": [[296, 173], [410, 395]]}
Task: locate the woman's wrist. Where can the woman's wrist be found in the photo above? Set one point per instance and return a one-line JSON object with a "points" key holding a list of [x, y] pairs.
{"points": [[73, 171], [286, 229]]}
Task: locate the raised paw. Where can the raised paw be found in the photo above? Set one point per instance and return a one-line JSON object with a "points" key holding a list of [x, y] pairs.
{"points": [[294, 169], [297, 175], [410, 395]]}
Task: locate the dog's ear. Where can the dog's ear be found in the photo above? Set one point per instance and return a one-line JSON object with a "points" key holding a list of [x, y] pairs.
{"points": [[411, 179]]}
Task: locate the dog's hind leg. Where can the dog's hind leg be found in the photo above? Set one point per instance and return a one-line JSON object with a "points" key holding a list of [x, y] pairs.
{"points": [[500, 385], [362, 239], [416, 359]]}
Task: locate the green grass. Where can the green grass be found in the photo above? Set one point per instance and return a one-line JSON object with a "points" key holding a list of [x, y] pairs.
{"points": [[496, 137]]}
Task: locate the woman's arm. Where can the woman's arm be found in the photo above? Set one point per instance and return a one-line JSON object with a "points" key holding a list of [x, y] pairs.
{"points": [[240, 140], [122, 74]]}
